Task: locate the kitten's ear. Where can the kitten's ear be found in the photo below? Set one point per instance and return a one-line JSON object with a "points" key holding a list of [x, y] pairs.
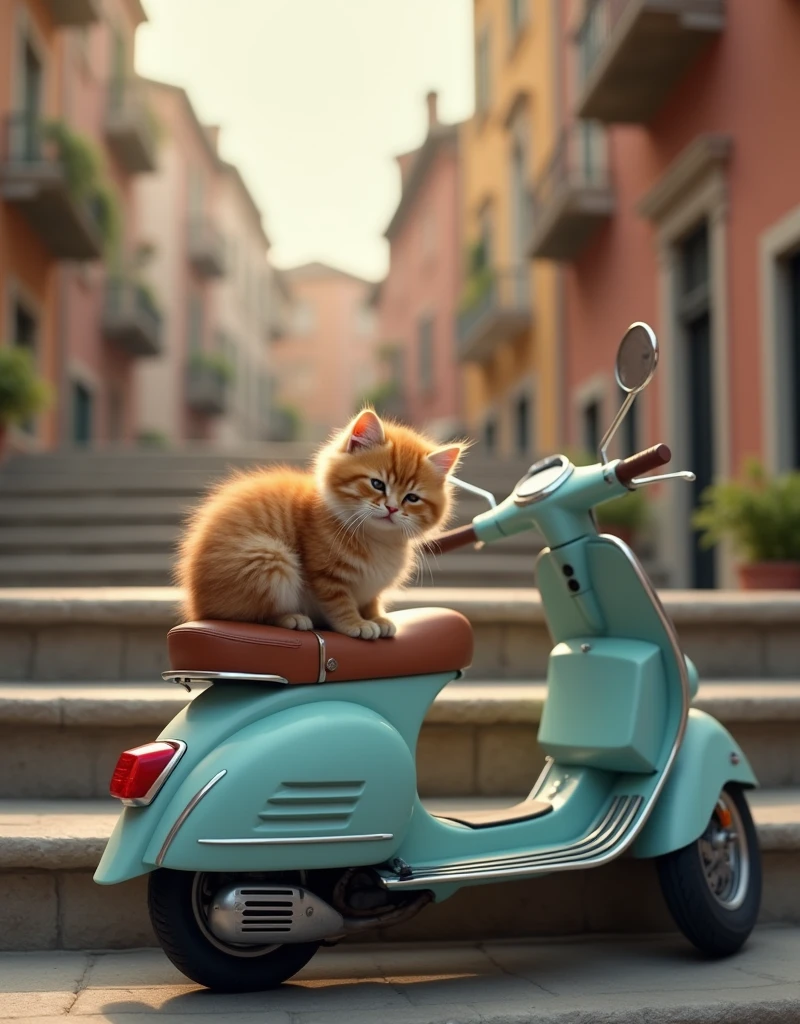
{"points": [[366, 431], [445, 459]]}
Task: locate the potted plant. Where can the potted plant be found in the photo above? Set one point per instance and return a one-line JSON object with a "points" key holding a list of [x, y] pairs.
{"points": [[762, 518], [22, 392]]}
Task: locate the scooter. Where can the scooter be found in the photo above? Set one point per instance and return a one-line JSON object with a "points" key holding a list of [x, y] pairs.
{"points": [[279, 810]]}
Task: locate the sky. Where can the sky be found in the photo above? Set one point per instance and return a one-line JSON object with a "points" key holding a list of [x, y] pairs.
{"points": [[315, 98]]}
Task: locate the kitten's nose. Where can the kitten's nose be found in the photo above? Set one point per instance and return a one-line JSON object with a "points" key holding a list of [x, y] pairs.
{"points": [[391, 509]]}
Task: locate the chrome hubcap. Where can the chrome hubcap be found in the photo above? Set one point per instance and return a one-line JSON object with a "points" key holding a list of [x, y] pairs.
{"points": [[724, 855]]}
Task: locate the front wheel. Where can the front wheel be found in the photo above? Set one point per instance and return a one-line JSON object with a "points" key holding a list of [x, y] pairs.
{"points": [[178, 902], [713, 886]]}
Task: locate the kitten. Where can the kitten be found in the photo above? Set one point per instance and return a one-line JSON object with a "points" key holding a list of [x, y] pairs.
{"points": [[317, 549]]}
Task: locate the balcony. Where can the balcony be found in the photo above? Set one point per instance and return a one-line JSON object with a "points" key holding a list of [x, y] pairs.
{"points": [[206, 388], [206, 248], [573, 196], [35, 178], [131, 319], [632, 53], [496, 308], [130, 127], [73, 13]]}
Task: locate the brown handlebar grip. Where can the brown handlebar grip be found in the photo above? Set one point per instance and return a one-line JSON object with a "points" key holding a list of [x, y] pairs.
{"points": [[636, 465], [458, 538]]}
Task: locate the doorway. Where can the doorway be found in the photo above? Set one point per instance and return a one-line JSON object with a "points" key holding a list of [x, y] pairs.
{"points": [[695, 316], [82, 415]]}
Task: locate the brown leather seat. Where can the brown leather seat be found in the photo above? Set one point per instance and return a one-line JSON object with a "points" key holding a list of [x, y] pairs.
{"points": [[427, 640]]}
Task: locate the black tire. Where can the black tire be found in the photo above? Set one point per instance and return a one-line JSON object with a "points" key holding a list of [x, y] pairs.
{"points": [[718, 925], [171, 902]]}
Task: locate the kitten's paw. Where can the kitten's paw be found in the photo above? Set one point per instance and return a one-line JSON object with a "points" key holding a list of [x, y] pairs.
{"points": [[364, 630], [387, 627], [295, 621]]}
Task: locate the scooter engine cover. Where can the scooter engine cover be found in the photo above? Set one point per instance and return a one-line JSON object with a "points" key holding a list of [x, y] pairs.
{"points": [[320, 785], [262, 914]]}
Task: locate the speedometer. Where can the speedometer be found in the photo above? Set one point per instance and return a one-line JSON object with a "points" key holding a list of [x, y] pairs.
{"points": [[542, 479]]}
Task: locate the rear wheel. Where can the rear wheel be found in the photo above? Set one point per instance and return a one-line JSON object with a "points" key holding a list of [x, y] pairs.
{"points": [[713, 886], [178, 902]]}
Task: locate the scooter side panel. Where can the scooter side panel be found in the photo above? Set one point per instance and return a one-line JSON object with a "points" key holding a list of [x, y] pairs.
{"points": [[705, 763], [218, 713], [302, 790]]}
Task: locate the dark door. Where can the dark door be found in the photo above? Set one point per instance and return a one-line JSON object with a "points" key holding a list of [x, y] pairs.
{"points": [[25, 336], [31, 103], [523, 425], [698, 386], [81, 415], [591, 427], [793, 269]]}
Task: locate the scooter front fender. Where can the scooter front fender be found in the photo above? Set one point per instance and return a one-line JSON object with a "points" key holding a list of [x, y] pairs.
{"points": [[708, 759], [328, 784]]}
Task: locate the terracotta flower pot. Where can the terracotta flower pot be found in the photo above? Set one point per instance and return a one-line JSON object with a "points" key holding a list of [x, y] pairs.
{"points": [[770, 576]]}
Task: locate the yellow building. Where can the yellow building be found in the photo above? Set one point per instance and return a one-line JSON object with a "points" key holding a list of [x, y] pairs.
{"points": [[507, 326]]}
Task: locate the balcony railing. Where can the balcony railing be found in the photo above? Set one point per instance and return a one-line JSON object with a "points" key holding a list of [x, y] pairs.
{"points": [[496, 308], [206, 390], [73, 13], [36, 178], [206, 248], [573, 195], [130, 126], [632, 53], [131, 319]]}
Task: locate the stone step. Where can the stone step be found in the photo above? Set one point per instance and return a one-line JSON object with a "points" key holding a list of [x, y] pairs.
{"points": [[119, 634], [48, 851], [62, 740]]}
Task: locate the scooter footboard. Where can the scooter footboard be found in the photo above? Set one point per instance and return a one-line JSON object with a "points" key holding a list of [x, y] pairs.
{"points": [[708, 759], [331, 784]]}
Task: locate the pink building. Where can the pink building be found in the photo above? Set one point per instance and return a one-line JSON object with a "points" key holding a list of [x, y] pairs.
{"points": [[417, 302], [674, 198], [325, 364]]}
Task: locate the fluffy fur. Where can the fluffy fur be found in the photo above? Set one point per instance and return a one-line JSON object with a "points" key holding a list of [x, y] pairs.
{"points": [[317, 549]]}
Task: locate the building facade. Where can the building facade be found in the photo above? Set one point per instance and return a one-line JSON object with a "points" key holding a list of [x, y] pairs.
{"points": [[684, 211], [507, 324], [325, 366], [417, 302], [76, 134]]}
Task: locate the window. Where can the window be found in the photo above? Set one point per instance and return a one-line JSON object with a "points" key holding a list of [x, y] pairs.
{"points": [[490, 435], [425, 353], [304, 319], [81, 415], [517, 16], [194, 341], [483, 72], [487, 236], [25, 331], [591, 426], [522, 424]]}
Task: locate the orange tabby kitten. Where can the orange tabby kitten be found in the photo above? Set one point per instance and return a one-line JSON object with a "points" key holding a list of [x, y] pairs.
{"points": [[317, 549]]}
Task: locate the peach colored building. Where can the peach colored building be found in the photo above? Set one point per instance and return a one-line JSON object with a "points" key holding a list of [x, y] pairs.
{"points": [[326, 363], [674, 198], [418, 300], [68, 288]]}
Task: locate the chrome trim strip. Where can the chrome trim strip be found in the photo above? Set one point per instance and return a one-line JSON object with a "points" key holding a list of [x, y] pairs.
{"points": [[203, 676], [633, 820], [305, 840], [162, 853], [152, 793], [323, 659], [537, 786]]}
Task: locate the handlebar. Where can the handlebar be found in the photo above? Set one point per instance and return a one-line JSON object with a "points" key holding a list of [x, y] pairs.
{"points": [[452, 539], [643, 462]]}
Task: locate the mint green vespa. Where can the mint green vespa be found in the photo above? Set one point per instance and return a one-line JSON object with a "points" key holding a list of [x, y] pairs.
{"points": [[279, 810]]}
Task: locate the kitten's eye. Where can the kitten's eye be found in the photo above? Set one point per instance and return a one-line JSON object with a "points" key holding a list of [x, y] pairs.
{"points": [[379, 485], [412, 498]]}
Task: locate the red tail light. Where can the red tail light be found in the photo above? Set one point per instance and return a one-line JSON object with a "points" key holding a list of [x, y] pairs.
{"points": [[142, 771]]}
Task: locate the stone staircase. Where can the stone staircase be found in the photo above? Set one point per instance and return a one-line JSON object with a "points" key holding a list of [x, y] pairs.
{"points": [[100, 519], [79, 673]]}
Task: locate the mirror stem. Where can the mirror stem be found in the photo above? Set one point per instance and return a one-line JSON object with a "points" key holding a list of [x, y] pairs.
{"points": [[475, 490], [622, 412]]}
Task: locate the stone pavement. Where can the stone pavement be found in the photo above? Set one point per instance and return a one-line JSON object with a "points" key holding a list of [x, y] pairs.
{"points": [[605, 981]]}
